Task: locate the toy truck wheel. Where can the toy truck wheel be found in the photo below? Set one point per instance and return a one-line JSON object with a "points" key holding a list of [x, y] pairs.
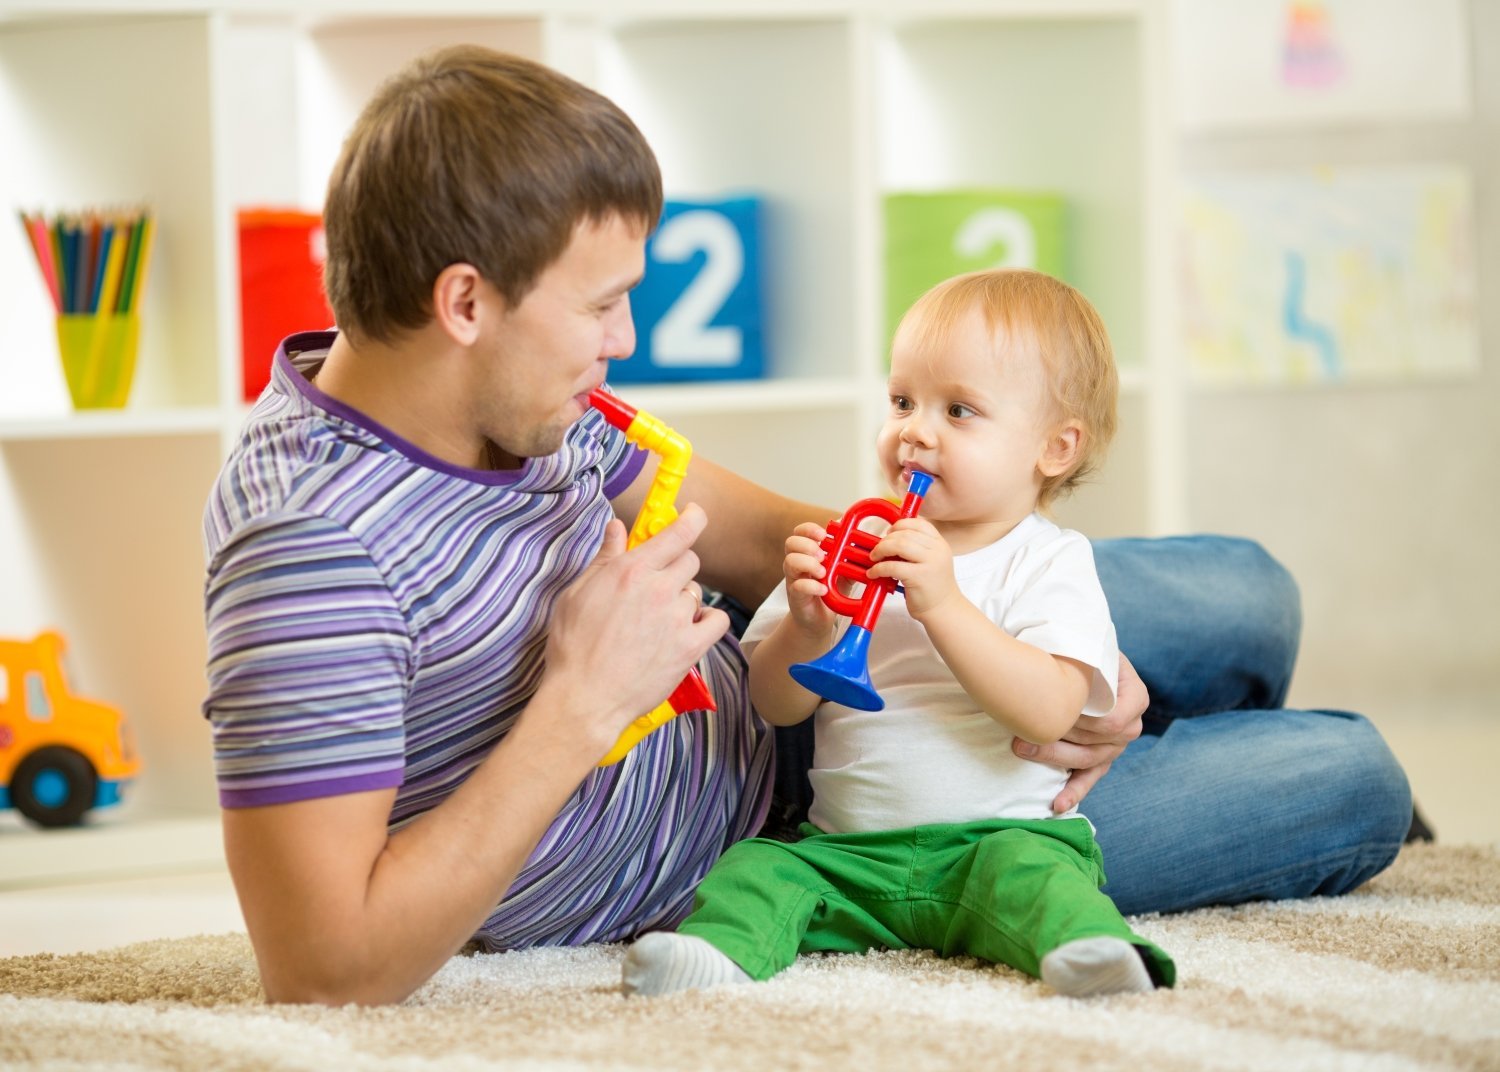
{"points": [[54, 787]]}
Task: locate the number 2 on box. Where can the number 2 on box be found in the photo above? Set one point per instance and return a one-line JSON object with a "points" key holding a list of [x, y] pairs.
{"points": [[685, 335]]}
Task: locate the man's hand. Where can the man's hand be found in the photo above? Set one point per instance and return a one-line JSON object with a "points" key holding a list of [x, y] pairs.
{"points": [[626, 631], [1088, 749]]}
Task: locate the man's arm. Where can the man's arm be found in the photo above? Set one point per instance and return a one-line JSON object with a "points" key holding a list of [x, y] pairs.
{"points": [[339, 910], [1093, 744], [741, 550]]}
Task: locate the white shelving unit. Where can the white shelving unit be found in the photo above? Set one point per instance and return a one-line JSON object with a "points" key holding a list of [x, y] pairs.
{"points": [[201, 108]]}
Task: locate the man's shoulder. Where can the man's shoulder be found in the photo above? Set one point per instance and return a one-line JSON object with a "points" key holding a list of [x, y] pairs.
{"points": [[288, 462], [276, 452]]}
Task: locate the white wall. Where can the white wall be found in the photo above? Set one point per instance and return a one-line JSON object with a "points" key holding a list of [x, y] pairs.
{"points": [[1385, 503], [1382, 500]]}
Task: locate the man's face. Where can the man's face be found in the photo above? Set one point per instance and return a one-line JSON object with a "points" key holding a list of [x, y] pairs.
{"points": [[552, 348]]}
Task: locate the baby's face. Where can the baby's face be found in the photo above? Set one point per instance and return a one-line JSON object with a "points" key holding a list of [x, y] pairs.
{"points": [[974, 413]]}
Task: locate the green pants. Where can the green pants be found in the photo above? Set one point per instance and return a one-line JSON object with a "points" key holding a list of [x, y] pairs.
{"points": [[1005, 890]]}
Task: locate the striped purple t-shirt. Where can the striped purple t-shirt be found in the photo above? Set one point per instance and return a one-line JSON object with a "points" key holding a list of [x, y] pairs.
{"points": [[378, 618]]}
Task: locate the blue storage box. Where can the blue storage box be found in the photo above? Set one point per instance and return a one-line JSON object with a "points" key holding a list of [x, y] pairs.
{"points": [[698, 310]]}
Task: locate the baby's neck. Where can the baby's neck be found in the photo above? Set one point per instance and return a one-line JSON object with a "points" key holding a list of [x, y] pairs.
{"points": [[965, 537]]}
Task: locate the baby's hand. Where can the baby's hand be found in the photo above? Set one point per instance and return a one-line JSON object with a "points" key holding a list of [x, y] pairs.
{"points": [[805, 573], [917, 557]]}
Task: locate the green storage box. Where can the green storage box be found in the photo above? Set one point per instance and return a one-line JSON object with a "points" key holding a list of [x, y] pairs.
{"points": [[932, 236]]}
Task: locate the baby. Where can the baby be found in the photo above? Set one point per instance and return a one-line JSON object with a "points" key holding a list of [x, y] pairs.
{"points": [[926, 830]]}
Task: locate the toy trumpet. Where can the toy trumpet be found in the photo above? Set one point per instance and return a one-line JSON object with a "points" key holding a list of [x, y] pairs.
{"points": [[657, 512], [843, 674]]}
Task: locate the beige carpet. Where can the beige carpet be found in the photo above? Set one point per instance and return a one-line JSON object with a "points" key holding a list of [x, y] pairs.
{"points": [[1402, 975]]}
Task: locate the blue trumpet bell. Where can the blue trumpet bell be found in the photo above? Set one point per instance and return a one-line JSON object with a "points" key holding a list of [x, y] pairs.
{"points": [[843, 674]]}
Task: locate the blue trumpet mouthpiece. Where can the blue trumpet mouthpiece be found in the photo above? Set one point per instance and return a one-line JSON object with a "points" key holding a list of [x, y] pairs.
{"points": [[920, 482]]}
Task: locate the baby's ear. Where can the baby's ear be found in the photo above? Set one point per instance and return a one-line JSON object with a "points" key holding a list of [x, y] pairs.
{"points": [[1062, 450]]}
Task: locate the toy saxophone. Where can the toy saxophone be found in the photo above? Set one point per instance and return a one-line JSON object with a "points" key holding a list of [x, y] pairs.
{"points": [[657, 512]]}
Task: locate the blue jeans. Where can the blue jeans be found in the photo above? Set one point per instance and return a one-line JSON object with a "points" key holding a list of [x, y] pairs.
{"points": [[1226, 797]]}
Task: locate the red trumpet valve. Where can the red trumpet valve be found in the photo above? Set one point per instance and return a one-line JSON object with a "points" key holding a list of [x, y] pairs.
{"points": [[846, 555]]}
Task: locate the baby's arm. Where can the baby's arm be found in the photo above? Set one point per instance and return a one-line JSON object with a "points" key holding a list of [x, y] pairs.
{"points": [[1033, 693], [804, 634]]}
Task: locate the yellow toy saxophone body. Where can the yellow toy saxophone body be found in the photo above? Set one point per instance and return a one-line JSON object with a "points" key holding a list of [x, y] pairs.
{"points": [[657, 512]]}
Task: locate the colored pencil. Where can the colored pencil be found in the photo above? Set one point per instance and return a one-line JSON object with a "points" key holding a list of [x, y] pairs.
{"points": [[103, 265], [92, 263], [73, 248], [41, 247], [124, 237], [143, 262], [58, 268], [111, 278], [132, 260], [93, 234]]}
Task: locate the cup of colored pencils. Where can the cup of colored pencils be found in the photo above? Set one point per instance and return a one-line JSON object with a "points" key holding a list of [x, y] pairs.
{"points": [[94, 265]]}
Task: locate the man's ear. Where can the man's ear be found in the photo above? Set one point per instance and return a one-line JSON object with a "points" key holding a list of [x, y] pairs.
{"points": [[456, 304], [1061, 451]]}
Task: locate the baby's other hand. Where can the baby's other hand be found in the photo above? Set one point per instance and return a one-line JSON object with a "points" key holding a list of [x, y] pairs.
{"points": [[915, 555], [805, 574]]}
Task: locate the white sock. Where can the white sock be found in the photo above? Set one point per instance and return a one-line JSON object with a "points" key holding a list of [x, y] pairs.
{"points": [[661, 963], [1090, 967]]}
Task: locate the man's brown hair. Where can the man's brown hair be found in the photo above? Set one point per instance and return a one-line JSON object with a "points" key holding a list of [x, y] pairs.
{"points": [[472, 156]]}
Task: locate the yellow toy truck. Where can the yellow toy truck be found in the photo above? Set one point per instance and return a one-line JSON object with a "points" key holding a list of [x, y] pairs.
{"points": [[60, 755]]}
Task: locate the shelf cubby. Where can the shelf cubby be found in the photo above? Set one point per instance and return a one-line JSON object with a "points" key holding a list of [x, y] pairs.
{"points": [[819, 110]]}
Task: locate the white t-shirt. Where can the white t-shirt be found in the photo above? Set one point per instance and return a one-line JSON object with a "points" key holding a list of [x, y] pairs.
{"points": [[931, 755]]}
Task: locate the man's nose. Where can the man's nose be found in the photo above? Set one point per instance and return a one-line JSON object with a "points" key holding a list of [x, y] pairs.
{"points": [[619, 334]]}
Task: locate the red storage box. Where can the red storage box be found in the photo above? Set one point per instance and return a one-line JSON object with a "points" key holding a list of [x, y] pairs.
{"points": [[281, 286]]}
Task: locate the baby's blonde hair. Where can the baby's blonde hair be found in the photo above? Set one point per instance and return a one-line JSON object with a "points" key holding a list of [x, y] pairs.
{"points": [[1068, 334]]}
